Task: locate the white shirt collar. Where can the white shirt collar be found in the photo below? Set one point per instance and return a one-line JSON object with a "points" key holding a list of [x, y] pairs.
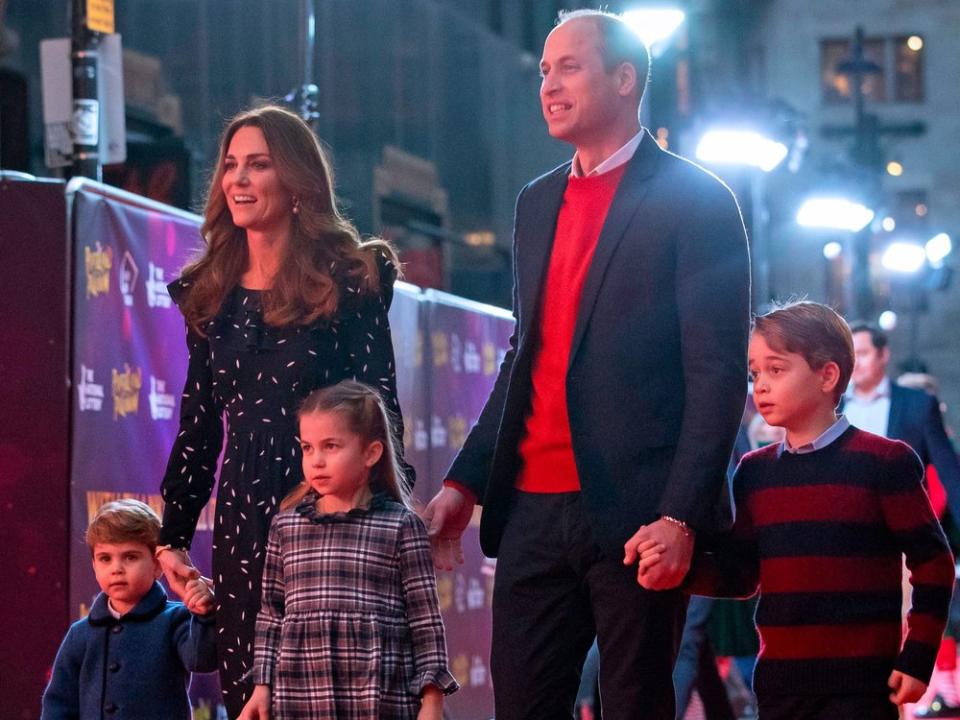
{"points": [[880, 391], [618, 158], [838, 428]]}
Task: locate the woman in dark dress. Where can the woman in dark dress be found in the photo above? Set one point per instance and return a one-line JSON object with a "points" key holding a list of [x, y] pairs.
{"points": [[284, 299]]}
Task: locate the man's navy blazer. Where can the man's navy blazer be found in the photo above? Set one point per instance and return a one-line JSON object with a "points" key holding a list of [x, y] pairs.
{"points": [[915, 418], [657, 370]]}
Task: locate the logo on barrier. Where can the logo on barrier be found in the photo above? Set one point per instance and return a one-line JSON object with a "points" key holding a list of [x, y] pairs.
{"points": [[91, 394], [128, 277], [471, 357], [456, 353], [438, 432], [478, 672], [489, 358], [457, 429], [157, 295], [441, 348], [97, 263], [162, 403], [126, 391], [421, 438]]}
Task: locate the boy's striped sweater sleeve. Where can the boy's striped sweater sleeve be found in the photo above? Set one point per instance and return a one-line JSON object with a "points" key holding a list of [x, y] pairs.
{"points": [[730, 566], [917, 532]]}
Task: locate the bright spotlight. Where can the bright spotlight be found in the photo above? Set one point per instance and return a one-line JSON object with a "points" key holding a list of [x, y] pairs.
{"points": [[836, 213], [654, 25], [894, 168], [741, 147], [889, 224], [915, 43], [937, 248], [887, 320], [832, 250], [904, 257]]}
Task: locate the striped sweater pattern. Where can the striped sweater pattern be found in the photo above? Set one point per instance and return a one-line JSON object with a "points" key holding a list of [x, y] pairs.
{"points": [[821, 534]]}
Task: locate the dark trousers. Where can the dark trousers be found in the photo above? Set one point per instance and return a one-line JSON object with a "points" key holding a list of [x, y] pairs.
{"points": [[826, 707], [554, 591]]}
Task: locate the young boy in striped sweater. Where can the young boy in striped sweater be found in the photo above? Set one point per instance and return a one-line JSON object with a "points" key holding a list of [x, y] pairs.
{"points": [[822, 519]]}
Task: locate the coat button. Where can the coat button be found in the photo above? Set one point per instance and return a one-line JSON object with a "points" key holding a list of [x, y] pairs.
{"points": [[114, 667], [117, 629], [110, 708]]}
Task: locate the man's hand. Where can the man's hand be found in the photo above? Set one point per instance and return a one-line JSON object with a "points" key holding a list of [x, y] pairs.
{"points": [[672, 562], [446, 517], [906, 688], [178, 570]]}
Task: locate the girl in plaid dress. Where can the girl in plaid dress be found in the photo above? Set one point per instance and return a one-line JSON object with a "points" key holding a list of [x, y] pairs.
{"points": [[349, 624]]}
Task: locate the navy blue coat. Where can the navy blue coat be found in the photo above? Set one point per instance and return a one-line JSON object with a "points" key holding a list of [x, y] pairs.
{"points": [[915, 418], [134, 668], [658, 362]]}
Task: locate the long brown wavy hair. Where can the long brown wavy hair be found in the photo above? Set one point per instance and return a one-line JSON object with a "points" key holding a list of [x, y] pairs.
{"points": [[324, 252], [364, 412]]}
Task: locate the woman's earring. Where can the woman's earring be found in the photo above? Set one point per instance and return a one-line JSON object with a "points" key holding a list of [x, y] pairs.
{"points": [[296, 206]]}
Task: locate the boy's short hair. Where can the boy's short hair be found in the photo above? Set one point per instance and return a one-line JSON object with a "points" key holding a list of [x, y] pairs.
{"points": [[123, 521], [815, 332]]}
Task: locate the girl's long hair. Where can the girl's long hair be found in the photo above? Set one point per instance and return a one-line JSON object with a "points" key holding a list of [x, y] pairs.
{"points": [[364, 412], [324, 247]]}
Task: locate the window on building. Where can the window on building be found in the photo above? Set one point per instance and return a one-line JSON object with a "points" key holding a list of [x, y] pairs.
{"points": [[836, 87], [908, 62]]}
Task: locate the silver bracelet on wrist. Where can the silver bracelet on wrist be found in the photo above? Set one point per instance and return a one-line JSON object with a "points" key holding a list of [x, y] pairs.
{"points": [[684, 528]]}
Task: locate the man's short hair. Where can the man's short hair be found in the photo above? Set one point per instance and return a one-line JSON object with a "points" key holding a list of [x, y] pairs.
{"points": [[619, 44], [815, 332], [878, 338], [123, 521]]}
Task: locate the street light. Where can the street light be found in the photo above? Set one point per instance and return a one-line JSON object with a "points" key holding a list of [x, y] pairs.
{"points": [[836, 213], [937, 248], [918, 268], [654, 25], [905, 258], [748, 148], [887, 320], [740, 147], [832, 250]]}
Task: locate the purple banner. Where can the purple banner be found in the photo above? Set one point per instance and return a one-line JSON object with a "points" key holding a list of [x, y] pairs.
{"points": [[406, 325], [467, 342], [129, 365]]}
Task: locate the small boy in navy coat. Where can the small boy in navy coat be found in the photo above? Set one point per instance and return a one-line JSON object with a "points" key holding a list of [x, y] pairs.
{"points": [[132, 656]]}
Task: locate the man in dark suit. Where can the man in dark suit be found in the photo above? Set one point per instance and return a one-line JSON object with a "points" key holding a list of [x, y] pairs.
{"points": [[874, 403], [618, 401]]}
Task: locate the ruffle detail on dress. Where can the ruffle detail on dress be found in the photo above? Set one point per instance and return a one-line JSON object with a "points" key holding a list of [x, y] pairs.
{"points": [[307, 507]]}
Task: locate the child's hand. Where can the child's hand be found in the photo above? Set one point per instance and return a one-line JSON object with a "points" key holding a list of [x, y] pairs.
{"points": [[906, 688], [431, 704], [648, 551], [199, 597], [258, 706]]}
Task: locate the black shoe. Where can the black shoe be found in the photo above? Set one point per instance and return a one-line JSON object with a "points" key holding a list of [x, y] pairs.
{"points": [[937, 708]]}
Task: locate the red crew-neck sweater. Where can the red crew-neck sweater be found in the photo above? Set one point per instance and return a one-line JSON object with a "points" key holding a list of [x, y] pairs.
{"points": [[546, 451]]}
